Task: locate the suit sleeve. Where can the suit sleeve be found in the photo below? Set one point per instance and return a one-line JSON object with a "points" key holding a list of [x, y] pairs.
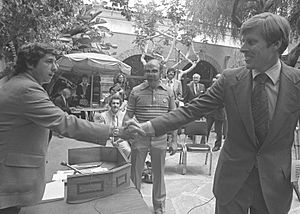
{"points": [[186, 94], [197, 108], [40, 110], [179, 91]]}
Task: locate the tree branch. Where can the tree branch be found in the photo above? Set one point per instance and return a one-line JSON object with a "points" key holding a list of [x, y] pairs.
{"points": [[194, 64], [171, 50], [144, 62], [234, 18]]}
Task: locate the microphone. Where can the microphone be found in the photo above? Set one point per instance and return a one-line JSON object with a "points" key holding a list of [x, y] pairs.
{"points": [[63, 163]]}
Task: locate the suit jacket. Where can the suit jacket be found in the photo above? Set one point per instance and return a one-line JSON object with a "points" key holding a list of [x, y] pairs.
{"points": [[61, 103], [177, 88], [80, 93], [26, 116], [190, 92], [241, 152]]}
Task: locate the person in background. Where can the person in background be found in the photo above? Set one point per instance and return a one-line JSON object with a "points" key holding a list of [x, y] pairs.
{"points": [[121, 85], [62, 100], [146, 101], [216, 118], [114, 117], [106, 100], [174, 84], [262, 106], [83, 91], [26, 117], [194, 88]]}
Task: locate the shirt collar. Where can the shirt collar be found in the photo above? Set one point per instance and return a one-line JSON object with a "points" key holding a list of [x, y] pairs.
{"points": [[273, 72], [111, 113]]}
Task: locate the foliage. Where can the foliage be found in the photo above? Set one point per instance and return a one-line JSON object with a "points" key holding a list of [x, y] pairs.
{"points": [[33, 21], [228, 15], [213, 19], [50, 21]]}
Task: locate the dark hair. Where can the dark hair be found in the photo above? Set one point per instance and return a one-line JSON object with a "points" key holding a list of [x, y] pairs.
{"points": [[115, 97], [116, 78], [31, 54], [171, 70], [274, 28]]}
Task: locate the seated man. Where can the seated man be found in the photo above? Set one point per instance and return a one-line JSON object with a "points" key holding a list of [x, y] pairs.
{"points": [[62, 100], [114, 117]]}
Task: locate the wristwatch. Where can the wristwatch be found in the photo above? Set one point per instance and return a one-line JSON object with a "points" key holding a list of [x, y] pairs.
{"points": [[115, 131]]}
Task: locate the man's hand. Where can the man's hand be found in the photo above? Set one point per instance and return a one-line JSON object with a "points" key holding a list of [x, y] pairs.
{"points": [[132, 122], [130, 131]]}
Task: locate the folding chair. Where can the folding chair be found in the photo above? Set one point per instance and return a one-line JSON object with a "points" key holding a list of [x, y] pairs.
{"points": [[181, 148], [197, 128]]}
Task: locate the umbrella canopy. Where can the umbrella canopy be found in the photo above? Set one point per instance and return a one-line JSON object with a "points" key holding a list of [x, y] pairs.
{"points": [[92, 64]]}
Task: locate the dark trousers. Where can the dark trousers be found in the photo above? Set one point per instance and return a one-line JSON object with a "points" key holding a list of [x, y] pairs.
{"points": [[249, 198], [10, 210], [218, 129]]}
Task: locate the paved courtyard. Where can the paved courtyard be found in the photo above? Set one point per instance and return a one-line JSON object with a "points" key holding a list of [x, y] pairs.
{"points": [[186, 194]]}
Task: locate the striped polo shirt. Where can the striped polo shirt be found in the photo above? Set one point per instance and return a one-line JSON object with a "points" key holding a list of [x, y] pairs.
{"points": [[147, 103]]}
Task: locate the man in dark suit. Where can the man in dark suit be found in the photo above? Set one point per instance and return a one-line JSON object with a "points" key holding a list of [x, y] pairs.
{"points": [[194, 89], [262, 106], [62, 100]]}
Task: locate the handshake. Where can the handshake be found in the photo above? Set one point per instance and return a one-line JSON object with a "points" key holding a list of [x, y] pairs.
{"points": [[130, 130]]}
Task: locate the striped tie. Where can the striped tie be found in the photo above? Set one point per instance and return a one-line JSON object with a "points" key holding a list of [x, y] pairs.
{"points": [[260, 109]]}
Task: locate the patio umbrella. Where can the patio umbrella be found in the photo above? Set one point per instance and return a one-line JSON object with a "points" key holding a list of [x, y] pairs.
{"points": [[92, 64]]}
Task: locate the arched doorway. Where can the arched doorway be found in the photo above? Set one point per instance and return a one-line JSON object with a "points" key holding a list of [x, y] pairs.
{"points": [[205, 69], [137, 68]]}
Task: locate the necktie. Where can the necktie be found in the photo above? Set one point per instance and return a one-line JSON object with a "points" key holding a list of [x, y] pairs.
{"points": [[114, 121], [196, 88], [260, 109]]}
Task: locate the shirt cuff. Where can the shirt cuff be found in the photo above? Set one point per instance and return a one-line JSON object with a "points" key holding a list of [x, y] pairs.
{"points": [[148, 128]]}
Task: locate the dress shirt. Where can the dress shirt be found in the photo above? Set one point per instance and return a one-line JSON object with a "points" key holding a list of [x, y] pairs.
{"points": [[272, 86], [171, 84]]}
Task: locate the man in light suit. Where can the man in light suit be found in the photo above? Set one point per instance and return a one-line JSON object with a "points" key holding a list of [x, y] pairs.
{"points": [[174, 84], [26, 116], [114, 116], [254, 167], [194, 88]]}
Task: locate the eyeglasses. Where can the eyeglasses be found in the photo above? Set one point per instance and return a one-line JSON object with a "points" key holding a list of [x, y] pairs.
{"points": [[151, 71]]}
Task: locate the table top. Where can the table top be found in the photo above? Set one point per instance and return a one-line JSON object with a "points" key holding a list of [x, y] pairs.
{"points": [[89, 109], [127, 201]]}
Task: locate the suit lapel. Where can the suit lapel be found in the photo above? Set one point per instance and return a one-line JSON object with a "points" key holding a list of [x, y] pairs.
{"points": [[242, 94], [287, 98]]}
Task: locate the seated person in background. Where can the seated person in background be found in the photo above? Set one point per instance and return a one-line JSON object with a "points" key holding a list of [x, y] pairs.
{"points": [[114, 117], [111, 91], [62, 100]]}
